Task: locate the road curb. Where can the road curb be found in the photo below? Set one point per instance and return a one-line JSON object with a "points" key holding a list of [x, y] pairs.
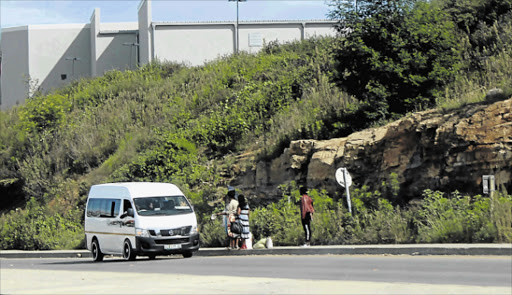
{"points": [[45, 254], [365, 250], [410, 249]]}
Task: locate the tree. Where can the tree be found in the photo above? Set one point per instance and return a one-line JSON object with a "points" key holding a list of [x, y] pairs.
{"points": [[487, 26], [394, 55], [469, 14]]}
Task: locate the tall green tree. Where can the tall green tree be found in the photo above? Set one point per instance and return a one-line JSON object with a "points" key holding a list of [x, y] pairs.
{"points": [[469, 15], [485, 22], [394, 55]]}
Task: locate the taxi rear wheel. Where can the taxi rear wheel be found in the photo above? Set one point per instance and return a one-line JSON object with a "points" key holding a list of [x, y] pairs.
{"points": [[97, 256]]}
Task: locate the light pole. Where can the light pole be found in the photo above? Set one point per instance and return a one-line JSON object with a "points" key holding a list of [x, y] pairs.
{"points": [[237, 36], [73, 59], [136, 45]]}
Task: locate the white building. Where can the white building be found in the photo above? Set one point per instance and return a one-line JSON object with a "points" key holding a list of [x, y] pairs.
{"points": [[49, 56]]}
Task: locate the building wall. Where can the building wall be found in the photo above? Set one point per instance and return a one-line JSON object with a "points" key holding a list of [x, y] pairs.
{"points": [[197, 43], [319, 29], [113, 51], [15, 69], [112, 54], [267, 33], [40, 52], [131, 26], [50, 49], [108, 49], [193, 44]]}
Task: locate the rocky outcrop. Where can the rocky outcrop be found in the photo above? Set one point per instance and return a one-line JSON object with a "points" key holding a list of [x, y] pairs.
{"points": [[435, 149]]}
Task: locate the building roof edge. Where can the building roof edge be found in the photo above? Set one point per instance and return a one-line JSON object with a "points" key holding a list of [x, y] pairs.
{"points": [[58, 26], [247, 22], [13, 29], [106, 32]]}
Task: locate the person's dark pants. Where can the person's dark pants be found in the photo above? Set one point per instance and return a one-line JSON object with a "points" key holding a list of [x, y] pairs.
{"points": [[306, 224]]}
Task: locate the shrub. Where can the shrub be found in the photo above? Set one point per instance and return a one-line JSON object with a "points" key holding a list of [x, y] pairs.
{"points": [[464, 219], [34, 228], [213, 234]]}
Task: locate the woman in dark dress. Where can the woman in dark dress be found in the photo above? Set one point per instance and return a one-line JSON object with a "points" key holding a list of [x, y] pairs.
{"points": [[243, 214]]}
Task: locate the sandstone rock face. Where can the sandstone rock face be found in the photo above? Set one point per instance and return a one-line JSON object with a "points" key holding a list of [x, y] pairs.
{"points": [[437, 150]]}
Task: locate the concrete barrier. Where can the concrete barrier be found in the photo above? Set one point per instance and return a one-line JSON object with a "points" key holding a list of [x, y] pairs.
{"points": [[409, 249]]}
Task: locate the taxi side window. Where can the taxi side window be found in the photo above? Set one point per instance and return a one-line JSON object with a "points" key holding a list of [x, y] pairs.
{"points": [[105, 208], [126, 205]]}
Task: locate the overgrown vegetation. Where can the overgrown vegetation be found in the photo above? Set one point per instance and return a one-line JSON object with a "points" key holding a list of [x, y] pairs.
{"points": [[438, 218], [172, 123], [397, 55]]}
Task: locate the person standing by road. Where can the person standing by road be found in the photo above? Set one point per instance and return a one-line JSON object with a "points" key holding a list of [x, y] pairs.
{"points": [[243, 214], [306, 212], [232, 215], [231, 212]]}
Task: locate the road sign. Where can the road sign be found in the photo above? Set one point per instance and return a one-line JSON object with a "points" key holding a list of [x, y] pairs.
{"points": [[488, 184], [345, 180], [342, 176]]}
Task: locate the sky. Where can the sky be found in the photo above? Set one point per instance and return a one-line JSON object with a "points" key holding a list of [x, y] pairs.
{"points": [[20, 12]]}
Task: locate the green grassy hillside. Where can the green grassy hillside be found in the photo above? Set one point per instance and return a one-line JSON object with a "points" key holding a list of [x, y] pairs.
{"points": [[185, 125]]}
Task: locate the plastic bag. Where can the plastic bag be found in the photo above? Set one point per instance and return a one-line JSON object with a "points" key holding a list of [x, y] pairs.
{"points": [[248, 242], [260, 244], [269, 243]]}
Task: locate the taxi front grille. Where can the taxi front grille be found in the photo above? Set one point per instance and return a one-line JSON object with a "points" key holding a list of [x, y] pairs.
{"points": [[171, 241], [181, 231]]}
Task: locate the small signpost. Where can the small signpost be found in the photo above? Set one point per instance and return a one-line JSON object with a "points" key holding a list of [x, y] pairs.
{"points": [[345, 180], [488, 184]]}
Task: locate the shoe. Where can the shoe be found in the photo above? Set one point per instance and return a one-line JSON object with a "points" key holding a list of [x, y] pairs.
{"points": [[305, 245]]}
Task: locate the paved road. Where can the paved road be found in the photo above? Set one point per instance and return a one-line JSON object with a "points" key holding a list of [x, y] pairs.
{"points": [[326, 274]]}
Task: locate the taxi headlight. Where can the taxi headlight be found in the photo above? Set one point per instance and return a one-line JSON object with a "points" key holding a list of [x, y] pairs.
{"points": [[140, 232], [194, 230]]}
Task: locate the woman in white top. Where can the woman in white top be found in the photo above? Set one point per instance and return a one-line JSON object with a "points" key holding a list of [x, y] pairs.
{"points": [[231, 213]]}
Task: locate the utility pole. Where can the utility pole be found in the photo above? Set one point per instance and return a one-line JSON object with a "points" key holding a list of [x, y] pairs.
{"points": [[237, 35]]}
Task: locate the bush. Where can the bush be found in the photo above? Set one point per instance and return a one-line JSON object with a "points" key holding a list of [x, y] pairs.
{"points": [[34, 228], [394, 55], [436, 219], [464, 219], [282, 220], [213, 234]]}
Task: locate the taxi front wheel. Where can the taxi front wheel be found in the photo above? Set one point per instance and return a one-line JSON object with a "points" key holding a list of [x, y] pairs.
{"points": [[128, 253]]}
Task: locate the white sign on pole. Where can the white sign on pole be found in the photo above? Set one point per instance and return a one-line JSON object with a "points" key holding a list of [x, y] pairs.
{"points": [[342, 176], [488, 183], [345, 180]]}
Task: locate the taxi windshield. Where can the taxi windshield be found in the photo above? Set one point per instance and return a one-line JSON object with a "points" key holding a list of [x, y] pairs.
{"points": [[166, 205]]}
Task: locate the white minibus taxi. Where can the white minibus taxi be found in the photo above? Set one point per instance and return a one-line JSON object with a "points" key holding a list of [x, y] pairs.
{"points": [[139, 218]]}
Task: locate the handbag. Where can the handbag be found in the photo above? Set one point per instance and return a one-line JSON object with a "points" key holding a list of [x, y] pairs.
{"points": [[236, 227]]}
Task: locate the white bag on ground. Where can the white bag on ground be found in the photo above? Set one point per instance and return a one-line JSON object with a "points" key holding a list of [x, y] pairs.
{"points": [[269, 243], [248, 242]]}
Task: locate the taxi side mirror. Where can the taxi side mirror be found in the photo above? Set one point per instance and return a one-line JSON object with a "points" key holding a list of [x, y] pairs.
{"points": [[128, 212]]}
